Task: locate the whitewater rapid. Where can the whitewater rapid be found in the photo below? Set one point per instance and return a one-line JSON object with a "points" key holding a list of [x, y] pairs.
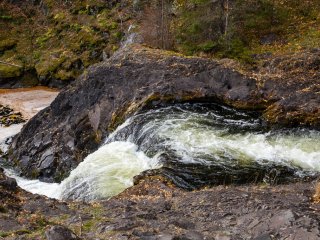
{"points": [[194, 144], [104, 173]]}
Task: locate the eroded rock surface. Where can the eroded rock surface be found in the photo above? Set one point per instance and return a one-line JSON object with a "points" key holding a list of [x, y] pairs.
{"points": [[155, 209], [22, 213], [60, 136]]}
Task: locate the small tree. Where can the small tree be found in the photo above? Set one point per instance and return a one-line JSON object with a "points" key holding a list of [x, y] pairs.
{"points": [[156, 24]]}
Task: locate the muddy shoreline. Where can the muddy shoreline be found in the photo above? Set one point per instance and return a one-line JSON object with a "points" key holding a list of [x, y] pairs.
{"points": [[19, 105], [28, 101]]}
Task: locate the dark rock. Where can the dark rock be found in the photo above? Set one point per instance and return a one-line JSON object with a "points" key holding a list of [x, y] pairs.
{"points": [[60, 233], [113, 91], [9, 224], [183, 223], [135, 78], [225, 213], [9, 183], [263, 237]]}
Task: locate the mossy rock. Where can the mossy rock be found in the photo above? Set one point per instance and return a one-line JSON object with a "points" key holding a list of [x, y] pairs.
{"points": [[48, 64], [7, 71], [29, 79], [64, 75], [7, 44]]}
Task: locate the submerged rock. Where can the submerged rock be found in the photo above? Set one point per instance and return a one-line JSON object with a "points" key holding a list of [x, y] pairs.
{"points": [[137, 77]]}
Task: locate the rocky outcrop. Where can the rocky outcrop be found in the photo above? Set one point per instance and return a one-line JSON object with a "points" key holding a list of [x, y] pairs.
{"points": [[59, 137], [291, 86], [22, 213], [155, 209]]}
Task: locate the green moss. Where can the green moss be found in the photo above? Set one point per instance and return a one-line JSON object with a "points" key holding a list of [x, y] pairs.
{"points": [[6, 17], [75, 27], [87, 226], [45, 37], [7, 44], [116, 37], [49, 63], [4, 234], [38, 40], [60, 17], [7, 71], [63, 74]]}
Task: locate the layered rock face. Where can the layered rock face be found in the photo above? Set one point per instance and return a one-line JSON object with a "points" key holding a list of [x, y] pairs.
{"points": [[59, 137]]}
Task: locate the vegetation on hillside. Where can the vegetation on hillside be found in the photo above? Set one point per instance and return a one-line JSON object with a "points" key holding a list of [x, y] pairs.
{"points": [[56, 40], [237, 29]]}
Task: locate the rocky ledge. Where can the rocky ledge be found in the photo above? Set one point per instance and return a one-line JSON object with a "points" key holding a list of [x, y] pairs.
{"points": [[285, 89], [155, 209]]}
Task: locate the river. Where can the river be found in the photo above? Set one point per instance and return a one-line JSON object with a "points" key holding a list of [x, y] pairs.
{"points": [[194, 145]]}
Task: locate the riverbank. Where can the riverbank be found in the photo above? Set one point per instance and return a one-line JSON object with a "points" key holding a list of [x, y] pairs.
{"points": [[28, 101], [155, 209], [22, 104]]}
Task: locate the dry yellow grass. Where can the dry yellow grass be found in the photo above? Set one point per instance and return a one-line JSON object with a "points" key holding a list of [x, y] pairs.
{"points": [[316, 196]]}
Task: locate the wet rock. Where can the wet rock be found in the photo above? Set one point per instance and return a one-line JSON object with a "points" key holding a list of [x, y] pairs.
{"points": [[9, 183], [60, 233]]}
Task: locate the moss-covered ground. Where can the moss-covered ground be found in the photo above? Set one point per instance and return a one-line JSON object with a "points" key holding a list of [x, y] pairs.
{"points": [[59, 39]]}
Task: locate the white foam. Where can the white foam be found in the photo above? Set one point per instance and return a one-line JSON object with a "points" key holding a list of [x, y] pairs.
{"points": [[192, 142], [6, 133], [106, 172], [35, 186], [102, 174]]}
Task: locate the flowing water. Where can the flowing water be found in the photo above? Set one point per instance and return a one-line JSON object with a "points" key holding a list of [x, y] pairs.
{"points": [[193, 145]]}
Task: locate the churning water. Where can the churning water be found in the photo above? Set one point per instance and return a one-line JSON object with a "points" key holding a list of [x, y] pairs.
{"points": [[193, 145]]}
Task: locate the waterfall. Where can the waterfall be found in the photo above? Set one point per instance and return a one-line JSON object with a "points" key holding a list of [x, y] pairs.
{"points": [[194, 145]]}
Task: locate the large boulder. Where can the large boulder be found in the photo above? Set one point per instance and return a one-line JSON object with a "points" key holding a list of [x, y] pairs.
{"points": [[54, 142]]}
